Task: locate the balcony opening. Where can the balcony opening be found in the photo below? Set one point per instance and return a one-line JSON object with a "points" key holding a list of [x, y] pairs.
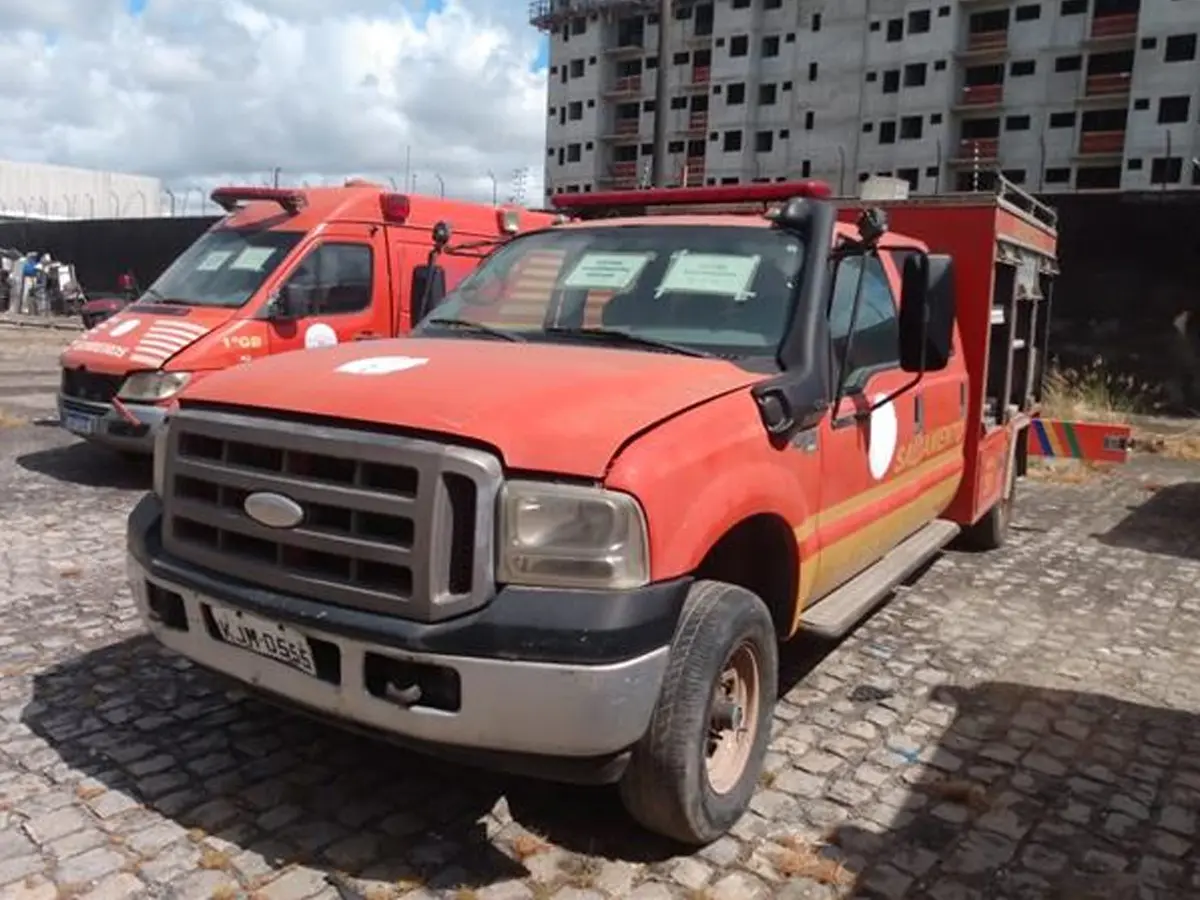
{"points": [[990, 21], [1105, 8], [631, 31], [1102, 120], [1119, 62], [983, 76], [980, 129], [1094, 178]]}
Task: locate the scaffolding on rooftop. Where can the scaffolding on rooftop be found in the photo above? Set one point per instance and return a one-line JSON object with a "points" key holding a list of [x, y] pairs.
{"points": [[547, 15]]}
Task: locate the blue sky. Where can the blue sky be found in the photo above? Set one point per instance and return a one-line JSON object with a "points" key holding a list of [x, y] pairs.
{"points": [[136, 7]]}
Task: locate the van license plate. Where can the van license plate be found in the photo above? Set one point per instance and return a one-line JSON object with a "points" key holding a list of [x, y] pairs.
{"points": [[270, 639], [80, 423]]}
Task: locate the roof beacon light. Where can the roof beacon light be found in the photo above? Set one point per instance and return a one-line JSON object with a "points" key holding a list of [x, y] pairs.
{"points": [[395, 208], [508, 221], [638, 202], [290, 199]]}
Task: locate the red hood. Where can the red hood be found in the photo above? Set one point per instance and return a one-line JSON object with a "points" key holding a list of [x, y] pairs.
{"points": [[545, 407], [142, 338]]}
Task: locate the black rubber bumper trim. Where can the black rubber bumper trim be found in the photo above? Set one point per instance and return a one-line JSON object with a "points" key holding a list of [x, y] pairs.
{"points": [[530, 624]]}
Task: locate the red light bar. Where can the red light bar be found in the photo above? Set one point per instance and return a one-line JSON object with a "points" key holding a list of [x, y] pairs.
{"points": [[701, 196], [395, 207], [291, 200]]}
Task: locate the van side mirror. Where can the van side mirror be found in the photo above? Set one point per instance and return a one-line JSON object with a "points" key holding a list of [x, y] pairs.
{"points": [[927, 307], [282, 305], [428, 290]]}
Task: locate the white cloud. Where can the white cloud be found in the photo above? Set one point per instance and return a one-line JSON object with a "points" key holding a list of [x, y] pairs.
{"points": [[204, 92]]}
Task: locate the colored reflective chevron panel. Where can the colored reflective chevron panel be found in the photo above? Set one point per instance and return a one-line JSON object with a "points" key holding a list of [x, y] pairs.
{"points": [[1096, 441]]}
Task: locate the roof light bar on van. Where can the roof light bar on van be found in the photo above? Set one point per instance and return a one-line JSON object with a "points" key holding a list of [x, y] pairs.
{"points": [[395, 208], [701, 199], [229, 197]]}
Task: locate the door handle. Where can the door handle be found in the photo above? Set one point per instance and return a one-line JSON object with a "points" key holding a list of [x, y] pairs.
{"points": [[365, 336], [919, 413]]}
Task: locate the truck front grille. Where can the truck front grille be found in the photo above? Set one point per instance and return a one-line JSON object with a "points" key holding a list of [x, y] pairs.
{"points": [[94, 386], [390, 524]]}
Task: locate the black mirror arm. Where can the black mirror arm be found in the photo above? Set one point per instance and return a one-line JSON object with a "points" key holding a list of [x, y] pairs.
{"points": [[839, 391], [903, 389]]}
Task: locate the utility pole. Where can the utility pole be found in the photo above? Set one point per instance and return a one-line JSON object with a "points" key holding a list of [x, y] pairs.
{"points": [[660, 170]]}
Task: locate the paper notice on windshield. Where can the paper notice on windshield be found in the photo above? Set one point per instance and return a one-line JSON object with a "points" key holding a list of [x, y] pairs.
{"points": [[723, 274], [252, 259], [214, 260], [607, 271]]}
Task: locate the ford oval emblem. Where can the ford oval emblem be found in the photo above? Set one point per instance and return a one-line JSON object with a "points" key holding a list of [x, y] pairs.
{"points": [[273, 510]]}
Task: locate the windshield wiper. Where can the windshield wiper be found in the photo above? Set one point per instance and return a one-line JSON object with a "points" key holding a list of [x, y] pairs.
{"points": [[616, 336], [477, 327], [163, 301]]}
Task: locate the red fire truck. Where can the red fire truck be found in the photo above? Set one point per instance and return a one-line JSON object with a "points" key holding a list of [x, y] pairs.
{"points": [[563, 527]]}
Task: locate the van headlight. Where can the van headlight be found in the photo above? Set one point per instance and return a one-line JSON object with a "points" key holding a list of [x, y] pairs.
{"points": [[151, 387], [160, 457], [558, 535]]}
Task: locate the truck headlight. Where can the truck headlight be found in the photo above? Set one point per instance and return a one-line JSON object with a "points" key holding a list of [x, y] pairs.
{"points": [[160, 458], [558, 535], [151, 387]]}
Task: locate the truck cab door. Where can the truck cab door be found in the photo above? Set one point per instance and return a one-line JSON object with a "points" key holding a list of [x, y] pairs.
{"points": [[337, 291], [863, 498]]}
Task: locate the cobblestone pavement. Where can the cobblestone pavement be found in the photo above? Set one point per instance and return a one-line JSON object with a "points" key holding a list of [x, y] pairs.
{"points": [[1015, 725]]}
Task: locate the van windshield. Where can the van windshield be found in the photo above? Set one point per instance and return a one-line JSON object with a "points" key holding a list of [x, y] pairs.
{"points": [[223, 267], [720, 289]]}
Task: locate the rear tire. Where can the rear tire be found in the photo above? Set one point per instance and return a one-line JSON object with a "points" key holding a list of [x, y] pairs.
{"points": [[693, 773], [991, 532]]}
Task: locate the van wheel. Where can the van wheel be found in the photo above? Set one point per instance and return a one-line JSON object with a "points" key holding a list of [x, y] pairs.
{"points": [[991, 532], [692, 774]]}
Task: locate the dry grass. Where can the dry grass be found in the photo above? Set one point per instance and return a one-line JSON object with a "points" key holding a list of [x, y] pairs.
{"points": [[8, 420], [89, 791], [797, 858], [581, 871], [967, 793], [527, 845], [224, 892], [216, 860], [1093, 394]]}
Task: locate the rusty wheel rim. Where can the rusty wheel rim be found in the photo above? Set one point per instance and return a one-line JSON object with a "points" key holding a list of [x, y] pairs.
{"points": [[733, 719]]}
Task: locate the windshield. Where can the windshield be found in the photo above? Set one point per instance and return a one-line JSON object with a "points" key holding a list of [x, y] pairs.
{"points": [[720, 289], [223, 268]]}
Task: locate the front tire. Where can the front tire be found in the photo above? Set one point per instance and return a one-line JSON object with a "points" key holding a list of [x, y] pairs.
{"points": [[693, 773]]}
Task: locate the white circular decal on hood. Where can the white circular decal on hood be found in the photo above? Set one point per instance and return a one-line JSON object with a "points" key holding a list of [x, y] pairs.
{"points": [[381, 365], [125, 327], [881, 441], [319, 335]]}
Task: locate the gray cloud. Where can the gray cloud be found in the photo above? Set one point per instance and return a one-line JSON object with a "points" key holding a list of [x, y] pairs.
{"points": [[197, 93]]}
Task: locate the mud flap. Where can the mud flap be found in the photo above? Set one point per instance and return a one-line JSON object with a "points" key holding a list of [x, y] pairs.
{"points": [[1094, 441]]}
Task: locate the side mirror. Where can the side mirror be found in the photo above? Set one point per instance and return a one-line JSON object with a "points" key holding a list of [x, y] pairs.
{"points": [[926, 312], [428, 290], [281, 307]]}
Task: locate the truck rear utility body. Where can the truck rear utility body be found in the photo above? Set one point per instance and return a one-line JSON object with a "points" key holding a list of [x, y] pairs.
{"points": [[563, 526]]}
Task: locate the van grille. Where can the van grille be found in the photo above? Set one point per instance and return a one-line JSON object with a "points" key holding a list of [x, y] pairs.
{"points": [[94, 386], [390, 524]]}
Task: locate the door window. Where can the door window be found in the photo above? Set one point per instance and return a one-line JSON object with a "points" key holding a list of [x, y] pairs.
{"points": [[876, 339], [332, 279]]}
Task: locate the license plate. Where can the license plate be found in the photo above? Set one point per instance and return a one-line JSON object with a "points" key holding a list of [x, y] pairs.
{"points": [[80, 423], [270, 639]]}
